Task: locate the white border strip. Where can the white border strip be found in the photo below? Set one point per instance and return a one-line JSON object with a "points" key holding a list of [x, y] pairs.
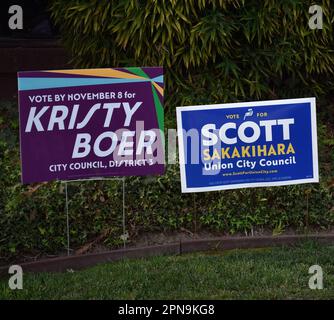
{"points": [[311, 101]]}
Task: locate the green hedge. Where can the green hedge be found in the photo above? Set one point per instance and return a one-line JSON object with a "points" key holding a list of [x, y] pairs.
{"points": [[33, 219]]}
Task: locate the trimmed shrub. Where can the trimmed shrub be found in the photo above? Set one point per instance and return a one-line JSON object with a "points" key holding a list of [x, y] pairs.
{"points": [[33, 217]]}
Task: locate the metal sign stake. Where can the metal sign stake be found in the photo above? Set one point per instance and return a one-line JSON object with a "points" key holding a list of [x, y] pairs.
{"points": [[124, 235], [67, 221], [124, 226]]}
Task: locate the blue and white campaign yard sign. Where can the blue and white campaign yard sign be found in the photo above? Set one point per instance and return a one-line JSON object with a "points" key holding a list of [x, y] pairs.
{"points": [[251, 144]]}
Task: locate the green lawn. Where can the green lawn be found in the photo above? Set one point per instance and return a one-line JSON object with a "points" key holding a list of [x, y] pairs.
{"points": [[276, 273]]}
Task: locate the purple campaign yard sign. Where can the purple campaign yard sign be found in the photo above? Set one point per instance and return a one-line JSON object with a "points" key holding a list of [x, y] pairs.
{"points": [[77, 124]]}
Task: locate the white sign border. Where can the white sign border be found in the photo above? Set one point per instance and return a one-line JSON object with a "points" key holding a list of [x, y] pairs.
{"points": [[315, 179]]}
